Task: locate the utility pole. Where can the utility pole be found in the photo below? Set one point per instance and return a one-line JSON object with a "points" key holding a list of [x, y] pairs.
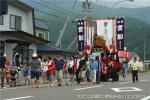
{"points": [[86, 6], [72, 43], [144, 52], [65, 24]]}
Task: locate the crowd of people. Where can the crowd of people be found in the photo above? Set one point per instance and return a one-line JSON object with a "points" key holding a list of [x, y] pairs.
{"points": [[79, 69]]}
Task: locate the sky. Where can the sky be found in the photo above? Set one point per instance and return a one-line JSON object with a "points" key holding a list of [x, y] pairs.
{"points": [[129, 4]]}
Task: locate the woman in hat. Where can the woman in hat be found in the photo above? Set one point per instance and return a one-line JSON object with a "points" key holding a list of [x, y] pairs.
{"points": [[35, 70]]}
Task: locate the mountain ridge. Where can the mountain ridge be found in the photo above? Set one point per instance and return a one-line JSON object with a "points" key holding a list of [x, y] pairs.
{"points": [[135, 25]]}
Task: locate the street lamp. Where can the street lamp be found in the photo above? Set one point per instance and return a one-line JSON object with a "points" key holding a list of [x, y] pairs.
{"points": [[144, 56], [118, 3]]}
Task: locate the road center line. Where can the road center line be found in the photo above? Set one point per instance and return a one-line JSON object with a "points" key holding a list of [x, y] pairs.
{"points": [[18, 98], [88, 87], [146, 98]]}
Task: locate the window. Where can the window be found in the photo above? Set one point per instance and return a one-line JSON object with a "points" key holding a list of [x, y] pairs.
{"points": [[12, 21], [1, 20], [23, 50], [15, 22], [18, 22], [41, 35]]}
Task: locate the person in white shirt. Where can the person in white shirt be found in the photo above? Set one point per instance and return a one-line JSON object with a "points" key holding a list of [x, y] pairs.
{"points": [[44, 66], [135, 67]]}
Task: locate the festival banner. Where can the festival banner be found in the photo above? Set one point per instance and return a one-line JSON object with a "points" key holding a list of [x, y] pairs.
{"points": [[120, 34], [105, 32], [80, 33], [89, 35]]}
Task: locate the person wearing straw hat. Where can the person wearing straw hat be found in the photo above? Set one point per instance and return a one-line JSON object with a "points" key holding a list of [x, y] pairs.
{"points": [[35, 70]]}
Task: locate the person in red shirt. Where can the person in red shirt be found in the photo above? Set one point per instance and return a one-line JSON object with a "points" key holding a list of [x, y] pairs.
{"points": [[50, 71], [65, 68], [7, 70], [75, 65]]}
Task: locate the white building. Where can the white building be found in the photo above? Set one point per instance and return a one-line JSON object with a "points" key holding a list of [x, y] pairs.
{"points": [[46, 50], [17, 31], [42, 29], [147, 62]]}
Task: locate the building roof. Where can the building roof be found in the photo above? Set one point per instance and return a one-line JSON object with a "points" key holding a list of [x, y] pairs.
{"points": [[21, 5], [41, 24], [48, 48], [134, 54], [147, 61], [25, 35]]}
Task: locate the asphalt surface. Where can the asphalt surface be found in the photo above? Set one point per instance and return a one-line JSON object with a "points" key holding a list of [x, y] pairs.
{"points": [[121, 90]]}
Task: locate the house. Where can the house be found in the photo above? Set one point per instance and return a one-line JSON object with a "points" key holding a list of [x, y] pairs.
{"points": [[42, 29], [45, 50], [17, 31], [132, 55], [147, 63]]}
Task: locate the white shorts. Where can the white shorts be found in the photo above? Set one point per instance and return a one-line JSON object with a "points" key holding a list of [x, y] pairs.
{"points": [[83, 74], [59, 74]]}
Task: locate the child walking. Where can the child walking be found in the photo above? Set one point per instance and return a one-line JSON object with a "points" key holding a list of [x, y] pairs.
{"points": [[50, 71]]}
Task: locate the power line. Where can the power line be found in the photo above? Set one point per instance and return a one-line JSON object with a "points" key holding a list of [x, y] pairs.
{"points": [[64, 11], [40, 3], [46, 12], [49, 14], [56, 6], [61, 10], [65, 24]]}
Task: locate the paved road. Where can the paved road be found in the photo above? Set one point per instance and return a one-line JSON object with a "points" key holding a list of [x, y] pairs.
{"points": [[122, 90]]}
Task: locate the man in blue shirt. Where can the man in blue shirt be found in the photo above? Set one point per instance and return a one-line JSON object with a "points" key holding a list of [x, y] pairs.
{"points": [[93, 67], [98, 69], [124, 70], [59, 70]]}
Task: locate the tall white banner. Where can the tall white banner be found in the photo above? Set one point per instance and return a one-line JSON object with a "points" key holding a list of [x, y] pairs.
{"points": [[105, 30]]}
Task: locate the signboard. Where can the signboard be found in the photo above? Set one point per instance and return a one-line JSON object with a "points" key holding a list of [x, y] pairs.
{"points": [[124, 54], [120, 34], [80, 32]]}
